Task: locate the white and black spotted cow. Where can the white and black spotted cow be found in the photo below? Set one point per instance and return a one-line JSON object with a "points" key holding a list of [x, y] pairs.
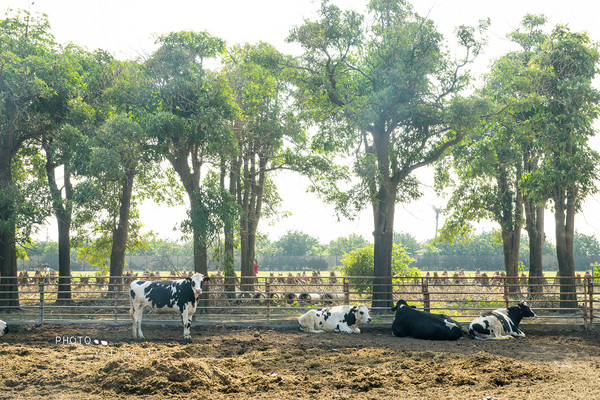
{"points": [[3, 328], [165, 297], [335, 319], [501, 323], [410, 322]]}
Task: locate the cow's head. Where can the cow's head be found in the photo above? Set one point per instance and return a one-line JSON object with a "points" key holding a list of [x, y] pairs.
{"points": [[196, 282], [399, 304], [3, 328], [362, 313], [527, 313]]}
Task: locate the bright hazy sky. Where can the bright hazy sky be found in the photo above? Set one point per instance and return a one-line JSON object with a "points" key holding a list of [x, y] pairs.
{"points": [[126, 28]]}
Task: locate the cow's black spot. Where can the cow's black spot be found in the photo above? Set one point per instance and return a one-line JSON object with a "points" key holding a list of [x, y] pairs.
{"points": [[506, 325], [132, 293], [326, 315], [320, 322], [140, 282], [350, 318], [160, 294]]}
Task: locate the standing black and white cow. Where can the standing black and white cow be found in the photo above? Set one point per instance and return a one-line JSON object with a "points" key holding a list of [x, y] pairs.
{"points": [[501, 323], [423, 325], [165, 297], [335, 319], [3, 328]]}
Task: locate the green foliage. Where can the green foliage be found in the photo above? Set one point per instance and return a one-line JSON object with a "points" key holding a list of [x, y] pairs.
{"points": [[408, 241], [211, 207], [360, 262], [296, 243], [485, 243], [345, 245], [586, 245]]}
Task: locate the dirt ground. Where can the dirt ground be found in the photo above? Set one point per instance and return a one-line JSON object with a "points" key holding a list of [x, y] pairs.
{"points": [[269, 362]]}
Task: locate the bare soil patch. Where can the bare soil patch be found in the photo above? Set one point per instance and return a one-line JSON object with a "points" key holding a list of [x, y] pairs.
{"points": [[257, 362]]}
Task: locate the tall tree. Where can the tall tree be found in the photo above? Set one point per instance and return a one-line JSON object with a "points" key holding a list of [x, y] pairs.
{"points": [[389, 91], [31, 74], [64, 143], [264, 124], [524, 95], [488, 169], [563, 71], [192, 123]]}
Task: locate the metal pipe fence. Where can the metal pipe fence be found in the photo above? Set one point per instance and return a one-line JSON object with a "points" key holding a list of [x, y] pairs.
{"points": [[44, 300]]}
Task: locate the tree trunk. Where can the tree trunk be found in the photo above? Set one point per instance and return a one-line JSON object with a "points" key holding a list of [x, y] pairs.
{"points": [[201, 266], [200, 255], [245, 269], [120, 235], [62, 209], [510, 225], [228, 231], [9, 295], [383, 235], [534, 223], [64, 257], [511, 240], [564, 217]]}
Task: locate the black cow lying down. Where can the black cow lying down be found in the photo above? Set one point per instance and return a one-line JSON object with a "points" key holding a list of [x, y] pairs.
{"points": [[502, 323], [423, 325]]}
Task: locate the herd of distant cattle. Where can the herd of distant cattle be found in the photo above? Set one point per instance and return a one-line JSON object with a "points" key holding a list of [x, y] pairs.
{"points": [[180, 297]]}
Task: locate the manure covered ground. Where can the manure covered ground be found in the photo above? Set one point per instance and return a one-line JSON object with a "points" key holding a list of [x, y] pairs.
{"points": [[280, 362]]}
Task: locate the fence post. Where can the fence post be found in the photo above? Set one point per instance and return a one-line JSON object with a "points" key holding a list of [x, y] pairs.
{"points": [[590, 285], [41, 288], [268, 298], [346, 288], [585, 303], [505, 291], [117, 290], [426, 299]]}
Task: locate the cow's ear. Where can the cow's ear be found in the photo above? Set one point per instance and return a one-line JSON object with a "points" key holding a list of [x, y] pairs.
{"points": [[188, 279], [206, 278], [354, 309]]}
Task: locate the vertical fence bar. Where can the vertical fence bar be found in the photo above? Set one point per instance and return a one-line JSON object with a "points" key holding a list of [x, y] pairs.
{"points": [[346, 288], [585, 303], [118, 289], [590, 286], [268, 298], [504, 284], [426, 298], [42, 289]]}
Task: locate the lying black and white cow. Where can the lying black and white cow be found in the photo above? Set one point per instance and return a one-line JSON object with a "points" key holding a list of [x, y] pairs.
{"points": [[335, 319], [3, 328], [177, 297], [501, 323], [423, 325]]}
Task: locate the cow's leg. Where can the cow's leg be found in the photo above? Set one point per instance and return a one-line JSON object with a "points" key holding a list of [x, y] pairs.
{"points": [[502, 337], [344, 328], [137, 322], [131, 311], [187, 322], [518, 333]]}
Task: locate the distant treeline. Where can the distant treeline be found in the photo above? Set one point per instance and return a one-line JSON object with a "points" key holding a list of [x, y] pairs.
{"points": [[300, 251]]}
